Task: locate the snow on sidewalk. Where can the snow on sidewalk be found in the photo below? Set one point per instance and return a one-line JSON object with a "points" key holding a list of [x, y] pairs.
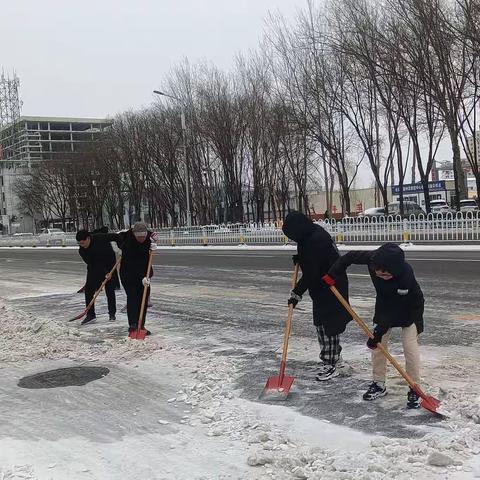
{"points": [[191, 423]]}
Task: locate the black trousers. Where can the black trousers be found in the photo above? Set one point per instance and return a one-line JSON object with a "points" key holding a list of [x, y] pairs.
{"points": [[92, 286], [134, 293]]}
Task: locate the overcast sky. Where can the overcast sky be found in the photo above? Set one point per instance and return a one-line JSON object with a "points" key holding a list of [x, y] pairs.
{"points": [[97, 58]]}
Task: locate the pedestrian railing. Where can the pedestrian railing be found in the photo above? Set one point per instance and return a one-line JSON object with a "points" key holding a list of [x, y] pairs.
{"points": [[460, 228]]}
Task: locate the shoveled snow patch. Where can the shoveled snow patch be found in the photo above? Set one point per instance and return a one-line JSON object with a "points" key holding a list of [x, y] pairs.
{"points": [[262, 441]]}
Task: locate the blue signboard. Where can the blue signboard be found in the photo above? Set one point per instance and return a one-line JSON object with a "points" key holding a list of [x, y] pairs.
{"points": [[418, 187]]}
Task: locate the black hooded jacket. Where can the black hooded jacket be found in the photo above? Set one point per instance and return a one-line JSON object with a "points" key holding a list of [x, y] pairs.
{"points": [[317, 252], [399, 301]]}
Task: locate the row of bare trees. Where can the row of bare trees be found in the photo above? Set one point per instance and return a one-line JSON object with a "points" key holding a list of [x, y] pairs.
{"points": [[381, 84]]}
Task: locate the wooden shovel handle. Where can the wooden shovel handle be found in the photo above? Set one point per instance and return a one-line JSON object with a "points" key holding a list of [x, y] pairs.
{"points": [[365, 328], [288, 325], [145, 289], [106, 279]]}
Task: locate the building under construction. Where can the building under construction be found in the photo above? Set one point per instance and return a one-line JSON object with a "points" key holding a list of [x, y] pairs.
{"points": [[26, 141]]}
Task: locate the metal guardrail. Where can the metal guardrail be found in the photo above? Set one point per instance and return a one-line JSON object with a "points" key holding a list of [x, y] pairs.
{"points": [[462, 228]]}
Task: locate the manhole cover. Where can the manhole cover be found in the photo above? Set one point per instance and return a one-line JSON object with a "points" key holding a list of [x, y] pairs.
{"points": [[63, 377]]}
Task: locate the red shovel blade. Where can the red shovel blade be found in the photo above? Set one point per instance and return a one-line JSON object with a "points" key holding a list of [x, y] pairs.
{"points": [[78, 317], [277, 385], [137, 334], [428, 403]]}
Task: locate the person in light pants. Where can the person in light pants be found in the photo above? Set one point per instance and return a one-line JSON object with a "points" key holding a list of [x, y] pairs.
{"points": [[399, 303], [410, 351]]}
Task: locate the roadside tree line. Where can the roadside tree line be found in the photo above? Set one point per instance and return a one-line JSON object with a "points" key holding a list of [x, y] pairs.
{"points": [[355, 82]]}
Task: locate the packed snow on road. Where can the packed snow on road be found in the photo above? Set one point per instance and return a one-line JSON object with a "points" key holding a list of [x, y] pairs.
{"points": [[181, 404]]}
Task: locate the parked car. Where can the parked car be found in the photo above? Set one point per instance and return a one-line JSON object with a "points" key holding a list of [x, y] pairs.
{"points": [[441, 206], [468, 205], [409, 208], [222, 230], [53, 235], [372, 212]]}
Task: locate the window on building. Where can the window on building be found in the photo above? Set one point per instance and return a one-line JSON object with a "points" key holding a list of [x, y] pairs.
{"points": [[46, 147], [60, 136], [61, 147], [81, 127], [59, 126], [32, 125], [82, 137], [43, 126]]}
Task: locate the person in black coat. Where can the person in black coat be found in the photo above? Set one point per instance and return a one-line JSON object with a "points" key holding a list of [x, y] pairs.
{"points": [[135, 245], [100, 258], [399, 304], [115, 280], [316, 253]]}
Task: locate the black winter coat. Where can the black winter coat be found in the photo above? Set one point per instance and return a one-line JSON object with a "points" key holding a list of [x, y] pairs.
{"points": [[99, 257], [317, 252], [133, 266], [399, 301]]}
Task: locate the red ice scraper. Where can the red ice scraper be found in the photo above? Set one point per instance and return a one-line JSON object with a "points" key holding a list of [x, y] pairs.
{"points": [[429, 403], [140, 333], [279, 385], [89, 306]]}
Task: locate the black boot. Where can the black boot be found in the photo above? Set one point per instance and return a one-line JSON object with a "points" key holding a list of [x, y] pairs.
{"points": [[88, 319]]}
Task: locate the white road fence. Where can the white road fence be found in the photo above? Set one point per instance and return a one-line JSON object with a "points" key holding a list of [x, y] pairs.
{"points": [[462, 228]]}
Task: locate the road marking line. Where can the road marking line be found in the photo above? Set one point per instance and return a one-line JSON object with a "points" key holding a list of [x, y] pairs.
{"points": [[62, 261], [443, 259]]}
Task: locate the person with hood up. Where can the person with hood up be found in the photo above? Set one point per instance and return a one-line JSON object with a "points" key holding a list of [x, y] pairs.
{"points": [[399, 304], [316, 253]]}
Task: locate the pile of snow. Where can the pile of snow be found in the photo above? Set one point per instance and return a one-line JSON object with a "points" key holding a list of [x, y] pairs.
{"points": [[278, 442]]}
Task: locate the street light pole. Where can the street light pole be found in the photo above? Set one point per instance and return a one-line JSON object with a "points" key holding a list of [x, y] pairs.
{"points": [[184, 142]]}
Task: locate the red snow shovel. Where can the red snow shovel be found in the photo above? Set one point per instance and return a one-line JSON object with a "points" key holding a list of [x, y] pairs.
{"points": [[97, 293], [280, 384], [429, 403], [140, 333]]}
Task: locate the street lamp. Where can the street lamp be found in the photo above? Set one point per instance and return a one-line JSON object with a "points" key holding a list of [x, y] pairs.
{"points": [[184, 141]]}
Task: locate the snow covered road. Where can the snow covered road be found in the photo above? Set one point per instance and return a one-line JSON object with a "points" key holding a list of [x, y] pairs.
{"points": [[184, 403]]}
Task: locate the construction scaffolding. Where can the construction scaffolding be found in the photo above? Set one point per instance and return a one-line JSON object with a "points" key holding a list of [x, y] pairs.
{"points": [[10, 104]]}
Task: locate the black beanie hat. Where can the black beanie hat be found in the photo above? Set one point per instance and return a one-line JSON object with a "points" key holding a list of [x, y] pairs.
{"points": [[389, 257]]}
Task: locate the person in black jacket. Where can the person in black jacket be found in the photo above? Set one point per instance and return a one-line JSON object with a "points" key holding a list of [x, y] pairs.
{"points": [[135, 245], [399, 303], [100, 258], [316, 253], [115, 280]]}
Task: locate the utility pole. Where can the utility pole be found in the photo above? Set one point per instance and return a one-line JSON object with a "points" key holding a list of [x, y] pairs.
{"points": [[185, 156]]}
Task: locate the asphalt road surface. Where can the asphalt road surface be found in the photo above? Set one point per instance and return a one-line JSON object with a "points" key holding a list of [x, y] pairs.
{"points": [[233, 303]]}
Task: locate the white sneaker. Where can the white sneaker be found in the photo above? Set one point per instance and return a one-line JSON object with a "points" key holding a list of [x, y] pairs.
{"points": [[326, 372]]}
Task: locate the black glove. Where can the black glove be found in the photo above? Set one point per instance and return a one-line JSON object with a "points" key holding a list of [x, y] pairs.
{"points": [[295, 259], [294, 299], [377, 338]]}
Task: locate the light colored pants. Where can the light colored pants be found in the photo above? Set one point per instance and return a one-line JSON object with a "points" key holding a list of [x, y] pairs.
{"points": [[410, 351]]}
